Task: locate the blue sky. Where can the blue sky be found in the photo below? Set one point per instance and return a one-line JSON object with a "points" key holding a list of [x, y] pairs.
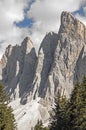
{"points": [[34, 18], [80, 11], [28, 22]]}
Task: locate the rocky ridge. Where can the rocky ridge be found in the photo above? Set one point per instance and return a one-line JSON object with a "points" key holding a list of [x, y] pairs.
{"points": [[60, 63], [69, 60], [18, 68]]}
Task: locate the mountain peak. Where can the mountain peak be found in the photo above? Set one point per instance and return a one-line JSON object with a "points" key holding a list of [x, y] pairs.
{"points": [[27, 39], [8, 50], [27, 44], [61, 62], [70, 24]]}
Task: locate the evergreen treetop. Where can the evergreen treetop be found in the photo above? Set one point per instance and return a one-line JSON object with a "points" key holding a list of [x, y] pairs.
{"points": [[7, 120]]}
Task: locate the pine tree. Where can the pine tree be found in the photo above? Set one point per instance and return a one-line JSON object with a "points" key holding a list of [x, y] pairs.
{"points": [[70, 114], [3, 97], [78, 107], [61, 117], [7, 120], [39, 126]]}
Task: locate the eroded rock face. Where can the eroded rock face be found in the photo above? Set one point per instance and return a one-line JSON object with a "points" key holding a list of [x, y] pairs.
{"points": [[18, 68], [44, 63], [66, 65], [61, 62]]}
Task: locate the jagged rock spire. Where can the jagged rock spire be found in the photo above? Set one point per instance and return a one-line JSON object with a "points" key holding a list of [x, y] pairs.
{"points": [[69, 22], [61, 62], [67, 58], [18, 68]]}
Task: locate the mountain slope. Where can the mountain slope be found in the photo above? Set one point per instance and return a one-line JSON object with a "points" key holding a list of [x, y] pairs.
{"points": [[18, 68], [30, 80], [69, 56]]}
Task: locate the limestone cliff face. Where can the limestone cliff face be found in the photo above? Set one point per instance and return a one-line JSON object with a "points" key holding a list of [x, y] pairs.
{"points": [[66, 64], [44, 63], [18, 68], [61, 62]]}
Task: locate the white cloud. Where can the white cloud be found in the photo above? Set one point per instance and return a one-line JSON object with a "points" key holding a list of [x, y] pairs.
{"points": [[84, 10], [45, 13], [11, 11], [81, 18], [83, 3], [78, 15]]}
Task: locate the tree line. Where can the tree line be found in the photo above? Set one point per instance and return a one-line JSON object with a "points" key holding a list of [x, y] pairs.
{"points": [[69, 114]]}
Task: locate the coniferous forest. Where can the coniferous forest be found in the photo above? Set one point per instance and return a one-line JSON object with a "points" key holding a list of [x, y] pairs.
{"points": [[69, 114]]}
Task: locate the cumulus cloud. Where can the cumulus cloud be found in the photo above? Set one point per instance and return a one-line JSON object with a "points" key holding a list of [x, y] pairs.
{"points": [[11, 11], [82, 8], [45, 14]]}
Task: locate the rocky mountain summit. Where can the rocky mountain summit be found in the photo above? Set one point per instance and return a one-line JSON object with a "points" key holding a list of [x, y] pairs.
{"points": [[62, 60], [60, 63], [18, 68]]}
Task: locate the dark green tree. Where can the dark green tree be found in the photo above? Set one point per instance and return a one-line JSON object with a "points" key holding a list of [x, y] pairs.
{"points": [[78, 106], [7, 120], [39, 126], [60, 118], [70, 114], [3, 97]]}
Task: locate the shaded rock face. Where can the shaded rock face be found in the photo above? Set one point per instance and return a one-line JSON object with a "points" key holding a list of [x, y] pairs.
{"points": [[18, 68], [44, 63], [67, 64]]}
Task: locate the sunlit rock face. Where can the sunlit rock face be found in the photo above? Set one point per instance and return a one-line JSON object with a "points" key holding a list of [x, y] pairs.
{"points": [[62, 60], [60, 63]]}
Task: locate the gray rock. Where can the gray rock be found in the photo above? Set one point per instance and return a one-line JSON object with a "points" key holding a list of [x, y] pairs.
{"points": [[44, 63], [61, 62], [18, 68], [62, 68]]}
